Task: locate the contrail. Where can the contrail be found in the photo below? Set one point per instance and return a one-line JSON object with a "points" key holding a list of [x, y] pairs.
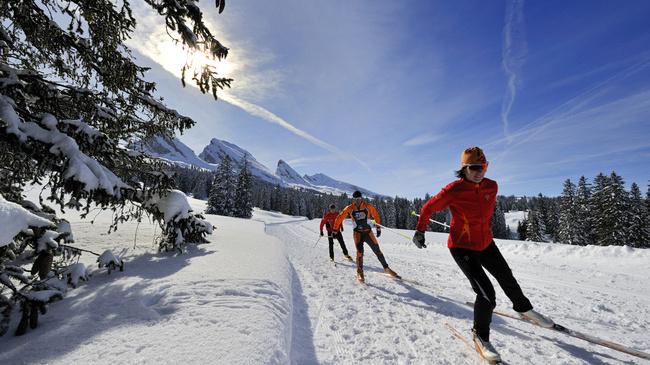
{"points": [[513, 56], [269, 116]]}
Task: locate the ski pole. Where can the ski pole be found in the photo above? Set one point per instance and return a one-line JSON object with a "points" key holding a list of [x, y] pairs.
{"points": [[318, 240], [392, 230], [431, 220]]}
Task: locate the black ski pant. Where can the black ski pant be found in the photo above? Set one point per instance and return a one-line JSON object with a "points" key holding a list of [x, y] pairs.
{"points": [[368, 237], [472, 264], [339, 237]]}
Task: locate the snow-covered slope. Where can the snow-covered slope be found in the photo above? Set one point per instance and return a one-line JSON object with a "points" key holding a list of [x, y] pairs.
{"points": [[322, 180], [512, 221], [211, 156], [264, 292], [218, 149], [172, 149]]}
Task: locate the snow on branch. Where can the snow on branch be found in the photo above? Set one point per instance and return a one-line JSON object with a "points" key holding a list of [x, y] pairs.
{"points": [[181, 225], [173, 205], [79, 167], [15, 219]]}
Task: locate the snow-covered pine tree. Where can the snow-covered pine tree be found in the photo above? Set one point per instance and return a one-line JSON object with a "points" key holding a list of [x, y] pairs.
{"points": [[553, 223], [71, 98], [221, 200], [243, 202], [647, 216], [584, 217], [638, 233], [568, 227], [546, 217], [499, 228], [390, 213], [597, 204], [613, 211], [534, 228], [522, 226]]}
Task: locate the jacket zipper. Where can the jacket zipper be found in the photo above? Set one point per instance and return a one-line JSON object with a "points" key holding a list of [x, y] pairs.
{"points": [[480, 205]]}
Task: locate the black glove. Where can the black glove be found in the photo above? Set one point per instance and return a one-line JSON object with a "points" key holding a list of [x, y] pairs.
{"points": [[378, 231], [321, 233], [418, 239]]}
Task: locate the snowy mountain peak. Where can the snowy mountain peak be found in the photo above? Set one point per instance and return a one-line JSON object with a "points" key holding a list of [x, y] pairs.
{"points": [[289, 175], [324, 180], [171, 149], [176, 151], [219, 149]]}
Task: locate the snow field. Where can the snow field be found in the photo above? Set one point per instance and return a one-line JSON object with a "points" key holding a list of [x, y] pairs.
{"points": [[225, 302], [261, 293]]}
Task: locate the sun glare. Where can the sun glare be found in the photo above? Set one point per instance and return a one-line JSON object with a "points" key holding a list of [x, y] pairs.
{"points": [[172, 57]]}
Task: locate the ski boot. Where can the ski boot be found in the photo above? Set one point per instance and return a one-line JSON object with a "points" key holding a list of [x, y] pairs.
{"points": [[485, 349], [388, 271], [536, 318], [360, 277], [347, 257]]}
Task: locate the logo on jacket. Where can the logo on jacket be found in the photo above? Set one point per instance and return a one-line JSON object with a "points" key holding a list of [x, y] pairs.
{"points": [[465, 230], [359, 215], [487, 196]]}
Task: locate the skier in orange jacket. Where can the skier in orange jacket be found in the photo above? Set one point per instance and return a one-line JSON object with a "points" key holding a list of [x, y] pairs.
{"points": [[472, 199], [360, 212], [328, 222]]}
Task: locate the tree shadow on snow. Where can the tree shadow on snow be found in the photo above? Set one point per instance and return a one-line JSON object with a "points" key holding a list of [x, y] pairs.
{"points": [[302, 337], [99, 305]]}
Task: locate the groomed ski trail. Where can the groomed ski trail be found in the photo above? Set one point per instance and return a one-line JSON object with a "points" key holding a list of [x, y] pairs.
{"points": [[390, 321]]}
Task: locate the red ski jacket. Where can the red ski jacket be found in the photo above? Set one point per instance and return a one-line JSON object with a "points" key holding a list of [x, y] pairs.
{"points": [[471, 205], [328, 221]]}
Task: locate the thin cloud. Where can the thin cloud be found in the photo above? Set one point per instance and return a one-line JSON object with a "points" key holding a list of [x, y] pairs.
{"points": [[513, 57], [268, 116], [421, 140], [156, 44], [571, 108], [309, 160]]}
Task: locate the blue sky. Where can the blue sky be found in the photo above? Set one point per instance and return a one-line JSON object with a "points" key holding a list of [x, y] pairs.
{"points": [[386, 94]]}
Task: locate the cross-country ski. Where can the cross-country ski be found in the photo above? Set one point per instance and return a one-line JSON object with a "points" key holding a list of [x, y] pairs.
{"points": [[573, 333]]}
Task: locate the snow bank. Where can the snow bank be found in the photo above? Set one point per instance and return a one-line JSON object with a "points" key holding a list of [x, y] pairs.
{"points": [[226, 302], [14, 219], [589, 253]]}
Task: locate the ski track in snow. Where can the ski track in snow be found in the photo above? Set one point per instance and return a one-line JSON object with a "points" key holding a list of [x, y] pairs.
{"points": [[389, 321]]}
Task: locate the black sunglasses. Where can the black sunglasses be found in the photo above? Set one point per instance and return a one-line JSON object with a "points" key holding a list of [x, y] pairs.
{"points": [[477, 167]]}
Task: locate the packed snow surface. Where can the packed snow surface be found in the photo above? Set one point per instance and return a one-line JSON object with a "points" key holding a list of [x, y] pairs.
{"points": [[264, 292]]}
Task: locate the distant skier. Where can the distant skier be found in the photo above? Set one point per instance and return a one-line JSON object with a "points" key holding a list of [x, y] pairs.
{"points": [[360, 212], [472, 199], [328, 222]]}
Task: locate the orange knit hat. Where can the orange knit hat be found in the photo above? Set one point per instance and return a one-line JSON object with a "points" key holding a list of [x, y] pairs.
{"points": [[471, 156]]}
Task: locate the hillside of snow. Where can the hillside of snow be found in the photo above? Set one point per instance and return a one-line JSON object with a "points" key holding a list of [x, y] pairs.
{"points": [[512, 221], [173, 150], [264, 292], [322, 180]]}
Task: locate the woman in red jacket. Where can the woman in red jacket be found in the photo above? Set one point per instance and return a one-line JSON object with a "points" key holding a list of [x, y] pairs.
{"points": [[328, 222], [472, 199]]}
